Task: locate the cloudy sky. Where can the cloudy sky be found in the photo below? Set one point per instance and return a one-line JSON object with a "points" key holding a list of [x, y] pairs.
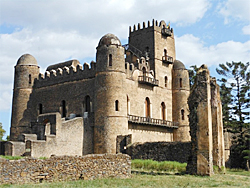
{"points": [[206, 31]]}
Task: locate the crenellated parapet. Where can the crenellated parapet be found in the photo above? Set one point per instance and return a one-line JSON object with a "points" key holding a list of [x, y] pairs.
{"points": [[158, 26], [65, 72]]}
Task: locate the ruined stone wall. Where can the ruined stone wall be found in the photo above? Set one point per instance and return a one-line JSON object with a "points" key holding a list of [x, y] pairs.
{"points": [[160, 151], [200, 118], [66, 140], [64, 168]]}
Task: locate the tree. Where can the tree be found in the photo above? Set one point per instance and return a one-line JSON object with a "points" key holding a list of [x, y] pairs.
{"points": [[192, 74], [235, 97], [2, 132]]}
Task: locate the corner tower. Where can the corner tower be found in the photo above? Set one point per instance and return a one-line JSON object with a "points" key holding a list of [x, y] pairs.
{"points": [[181, 91], [26, 70], [110, 99]]}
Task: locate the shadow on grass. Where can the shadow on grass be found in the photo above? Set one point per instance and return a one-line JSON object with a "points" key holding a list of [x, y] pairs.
{"points": [[155, 173]]}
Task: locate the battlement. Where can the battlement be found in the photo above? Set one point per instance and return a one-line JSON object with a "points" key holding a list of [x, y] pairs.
{"points": [[65, 72], [161, 26]]}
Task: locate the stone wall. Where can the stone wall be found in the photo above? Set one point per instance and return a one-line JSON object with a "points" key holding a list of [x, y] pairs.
{"points": [[160, 151], [31, 170]]}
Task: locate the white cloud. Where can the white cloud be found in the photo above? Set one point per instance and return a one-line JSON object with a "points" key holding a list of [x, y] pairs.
{"points": [[96, 16], [54, 31], [193, 51], [246, 30], [235, 9]]}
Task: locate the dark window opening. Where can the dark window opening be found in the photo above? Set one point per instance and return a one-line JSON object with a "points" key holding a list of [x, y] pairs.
{"points": [[144, 71], [163, 111], [180, 82], [125, 65], [116, 105], [110, 60], [147, 107], [128, 106], [29, 78], [166, 81], [182, 114], [40, 108], [64, 109], [130, 67], [87, 104], [165, 52]]}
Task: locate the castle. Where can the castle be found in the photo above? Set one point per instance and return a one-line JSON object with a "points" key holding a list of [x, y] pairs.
{"points": [[133, 93]]}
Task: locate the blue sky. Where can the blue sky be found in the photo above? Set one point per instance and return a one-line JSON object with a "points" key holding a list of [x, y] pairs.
{"points": [[206, 31]]}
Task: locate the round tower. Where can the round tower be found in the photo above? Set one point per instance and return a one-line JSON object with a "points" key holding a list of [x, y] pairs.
{"points": [[181, 91], [26, 70], [110, 99]]}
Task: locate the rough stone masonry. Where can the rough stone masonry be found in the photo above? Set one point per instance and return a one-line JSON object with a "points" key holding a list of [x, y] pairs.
{"points": [[206, 129], [61, 168]]}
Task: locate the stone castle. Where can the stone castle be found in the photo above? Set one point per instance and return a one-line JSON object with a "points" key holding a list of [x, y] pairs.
{"points": [[133, 93]]}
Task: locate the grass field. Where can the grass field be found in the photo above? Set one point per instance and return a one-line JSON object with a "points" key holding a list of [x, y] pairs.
{"points": [[150, 174]]}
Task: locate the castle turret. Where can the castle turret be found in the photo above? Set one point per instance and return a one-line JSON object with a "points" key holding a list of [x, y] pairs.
{"points": [[110, 100], [181, 91], [26, 70]]}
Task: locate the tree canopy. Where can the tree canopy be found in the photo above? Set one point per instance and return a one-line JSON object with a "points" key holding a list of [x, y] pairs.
{"points": [[2, 132], [235, 97]]}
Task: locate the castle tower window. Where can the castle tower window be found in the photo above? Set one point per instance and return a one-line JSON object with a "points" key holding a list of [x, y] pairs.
{"points": [[147, 107], [165, 53], [63, 105], [144, 71], [166, 81], [128, 105], [130, 67], [182, 114], [116, 105], [180, 82], [29, 78], [87, 104], [40, 106], [163, 111], [110, 60]]}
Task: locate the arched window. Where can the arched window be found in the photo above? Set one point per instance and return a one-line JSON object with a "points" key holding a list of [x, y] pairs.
{"points": [[147, 107], [63, 105], [116, 105], [128, 105], [180, 82], [165, 53], [130, 67], [87, 104], [29, 78], [110, 59], [182, 114], [163, 111], [166, 81], [40, 106], [144, 71]]}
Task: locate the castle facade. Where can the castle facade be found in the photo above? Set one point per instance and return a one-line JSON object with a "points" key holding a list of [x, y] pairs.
{"points": [[135, 92]]}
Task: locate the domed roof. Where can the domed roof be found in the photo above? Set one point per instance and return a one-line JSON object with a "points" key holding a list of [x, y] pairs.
{"points": [[109, 39], [26, 59], [178, 65]]}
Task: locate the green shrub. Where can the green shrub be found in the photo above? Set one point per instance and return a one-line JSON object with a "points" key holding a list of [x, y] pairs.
{"points": [[11, 157], [168, 166]]}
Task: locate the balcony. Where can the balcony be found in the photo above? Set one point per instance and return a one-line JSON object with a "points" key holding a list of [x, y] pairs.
{"points": [[152, 121], [166, 32], [167, 59], [148, 80]]}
